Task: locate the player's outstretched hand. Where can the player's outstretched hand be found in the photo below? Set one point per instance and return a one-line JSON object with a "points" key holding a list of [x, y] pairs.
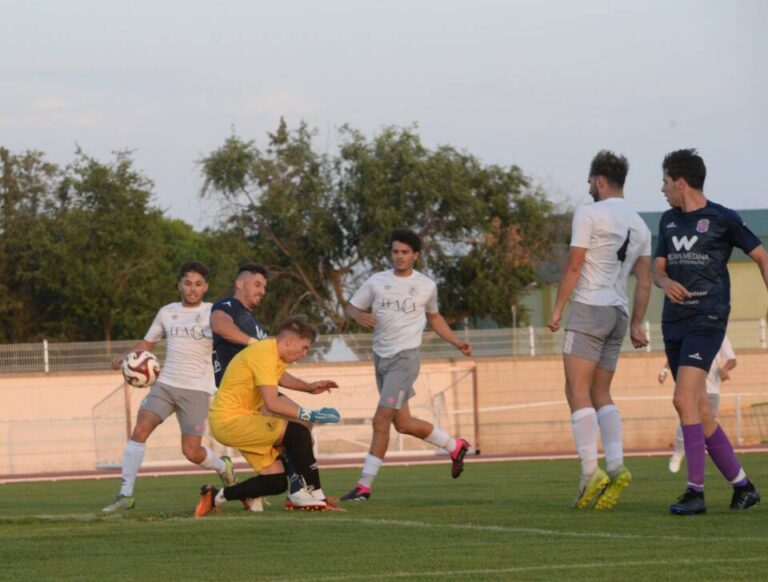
{"points": [[320, 386], [324, 415]]}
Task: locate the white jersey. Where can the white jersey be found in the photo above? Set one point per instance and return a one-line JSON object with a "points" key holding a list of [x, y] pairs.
{"points": [[188, 361], [399, 304], [615, 237], [723, 355]]}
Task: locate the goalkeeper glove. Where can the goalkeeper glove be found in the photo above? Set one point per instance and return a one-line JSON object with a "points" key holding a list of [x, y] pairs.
{"points": [[325, 415]]}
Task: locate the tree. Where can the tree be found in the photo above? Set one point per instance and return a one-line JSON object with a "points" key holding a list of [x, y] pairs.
{"points": [[27, 185], [222, 251], [94, 260], [485, 228], [319, 222], [84, 255], [279, 200]]}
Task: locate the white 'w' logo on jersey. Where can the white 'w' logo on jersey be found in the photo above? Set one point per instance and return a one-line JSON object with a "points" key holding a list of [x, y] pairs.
{"points": [[684, 242]]}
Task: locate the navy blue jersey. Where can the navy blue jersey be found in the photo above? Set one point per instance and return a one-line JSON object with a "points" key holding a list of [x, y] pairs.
{"points": [[697, 246], [223, 350]]}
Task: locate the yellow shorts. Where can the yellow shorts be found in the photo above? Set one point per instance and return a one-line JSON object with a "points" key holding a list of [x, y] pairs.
{"points": [[253, 435]]}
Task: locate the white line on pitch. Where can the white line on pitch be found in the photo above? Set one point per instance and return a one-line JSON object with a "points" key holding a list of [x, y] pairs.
{"points": [[527, 530], [543, 568], [333, 519]]}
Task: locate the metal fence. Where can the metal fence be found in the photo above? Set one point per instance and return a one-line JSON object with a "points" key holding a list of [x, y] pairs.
{"points": [[531, 341]]}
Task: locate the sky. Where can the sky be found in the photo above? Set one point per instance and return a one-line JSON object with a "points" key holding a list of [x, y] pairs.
{"points": [[540, 84]]}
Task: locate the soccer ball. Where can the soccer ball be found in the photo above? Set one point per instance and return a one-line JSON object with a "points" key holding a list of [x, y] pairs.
{"points": [[140, 368]]}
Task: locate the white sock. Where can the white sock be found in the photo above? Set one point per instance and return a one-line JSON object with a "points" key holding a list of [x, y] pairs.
{"points": [[213, 461], [741, 476], [609, 419], [219, 499], [133, 455], [585, 432], [442, 439], [370, 470], [679, 442]]}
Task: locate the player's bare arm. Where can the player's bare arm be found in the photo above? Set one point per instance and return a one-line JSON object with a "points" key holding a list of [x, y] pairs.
{"points": [[277, 405], [672, 289], [642, 273], [285, 407], [317, 387], [142, 345], [570, 277], [760, 256], [223, 325], [364, 318], [442, 329]]}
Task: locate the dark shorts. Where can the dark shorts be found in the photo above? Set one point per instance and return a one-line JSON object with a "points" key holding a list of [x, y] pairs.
{"points": [[693, 342]]}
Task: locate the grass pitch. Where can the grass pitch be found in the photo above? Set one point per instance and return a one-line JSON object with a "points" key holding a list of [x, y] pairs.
{"points": [[499, 521]]}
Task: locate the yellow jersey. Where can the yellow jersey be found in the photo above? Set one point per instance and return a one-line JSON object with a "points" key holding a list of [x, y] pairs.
{"points": [[257, 365]]}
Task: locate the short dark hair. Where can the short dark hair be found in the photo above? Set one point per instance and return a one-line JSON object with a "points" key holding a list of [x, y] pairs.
{"points": [[299, 325], [613, 167], [253, 268], [193, 267], [686, 164], [405, 236]]}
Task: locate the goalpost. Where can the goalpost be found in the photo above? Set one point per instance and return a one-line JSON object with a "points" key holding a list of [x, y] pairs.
{"points": [[447, 396], [111, 418]]}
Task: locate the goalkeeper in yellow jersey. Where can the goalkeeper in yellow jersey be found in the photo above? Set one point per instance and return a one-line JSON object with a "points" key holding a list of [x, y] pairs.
{"points": [[237, 419]]}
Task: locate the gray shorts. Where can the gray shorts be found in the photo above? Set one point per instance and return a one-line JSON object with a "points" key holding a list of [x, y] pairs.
{"points": [[595, 333], [395, 377], [190, 406]]}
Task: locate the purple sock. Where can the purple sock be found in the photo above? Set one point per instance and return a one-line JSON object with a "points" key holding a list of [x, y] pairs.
{"points": [[723, 456], [693, 436]]}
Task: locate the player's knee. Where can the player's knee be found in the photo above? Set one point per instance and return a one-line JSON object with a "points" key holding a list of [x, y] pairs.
{"points": [[381, 432], [193, 453], [403, 426], [382, 423], [141, 431], [681, 404], [297, 435], [146, 423], [706, 416]]}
